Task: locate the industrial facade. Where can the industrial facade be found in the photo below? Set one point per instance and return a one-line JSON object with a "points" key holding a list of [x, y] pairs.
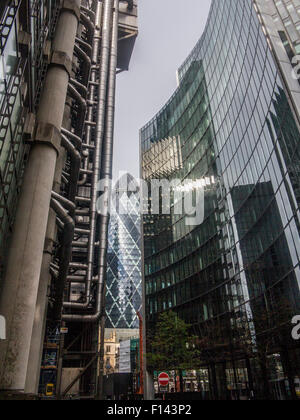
{"points": [[231, 130], [58, 66], [21, 76], [124, 277]]}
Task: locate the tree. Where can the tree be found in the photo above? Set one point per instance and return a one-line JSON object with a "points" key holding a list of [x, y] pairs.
{"points": [[172, 346]]}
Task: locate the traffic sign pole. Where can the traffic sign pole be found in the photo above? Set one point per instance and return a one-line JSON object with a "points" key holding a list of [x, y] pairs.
{"points": [[164, 380]]}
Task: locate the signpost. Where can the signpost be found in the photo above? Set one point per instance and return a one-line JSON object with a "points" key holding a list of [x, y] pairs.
{"points": [[163, 380]]}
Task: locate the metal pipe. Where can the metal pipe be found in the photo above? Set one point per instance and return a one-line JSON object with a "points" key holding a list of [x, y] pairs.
{"points": [[77, 140], [52, 264], [80, 87], [73, 92], [66, 254], [90, 123], [78, 266], [106, 174], [82, 212], [93, 84], [88, 146], [106, 171], [82, 231], [64, 179], [59, 223], [88, 24], [86, 171], [83, 200], [76, 279], [89, 12], [86, 59], [53, 272], [80, 244], [75, 167], [69, 205], [104, 71], [85, 46], [74, 154]]}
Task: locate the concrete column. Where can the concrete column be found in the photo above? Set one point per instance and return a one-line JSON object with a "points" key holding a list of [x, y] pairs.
{"points": [[40, 318], [21, 284], [39, 328]]}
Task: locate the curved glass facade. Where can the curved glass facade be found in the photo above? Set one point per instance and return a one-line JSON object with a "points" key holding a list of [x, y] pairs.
{"points": [[230, 125], [124, 278]]}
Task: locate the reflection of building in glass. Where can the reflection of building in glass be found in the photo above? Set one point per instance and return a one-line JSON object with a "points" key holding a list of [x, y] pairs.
{"points": [[124, 280], [262, 253], [235, 277], [170, 160]]}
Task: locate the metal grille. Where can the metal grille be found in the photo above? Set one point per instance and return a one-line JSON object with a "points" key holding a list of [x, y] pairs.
{"points": [[7, 23]]}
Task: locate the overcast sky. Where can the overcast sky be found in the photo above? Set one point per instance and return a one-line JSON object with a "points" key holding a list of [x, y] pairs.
{"points": [[168, 30]]}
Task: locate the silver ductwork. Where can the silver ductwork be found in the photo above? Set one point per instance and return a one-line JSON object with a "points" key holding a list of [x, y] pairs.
{"points": [[102, 161], [93, 84], [107, 13], [66, 254], [72, 143]]}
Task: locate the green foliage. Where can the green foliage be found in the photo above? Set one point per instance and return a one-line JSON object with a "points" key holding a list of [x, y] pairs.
{"points": [[172, 346]]}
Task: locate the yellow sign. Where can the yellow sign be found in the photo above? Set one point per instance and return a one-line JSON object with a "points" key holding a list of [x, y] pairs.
{"points": [[49, 390]]}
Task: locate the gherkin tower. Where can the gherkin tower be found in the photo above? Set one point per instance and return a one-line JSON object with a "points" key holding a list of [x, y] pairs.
{"points": [[124, 281]]}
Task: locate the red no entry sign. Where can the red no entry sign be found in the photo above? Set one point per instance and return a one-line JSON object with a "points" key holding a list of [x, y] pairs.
{"points": [[163, 379]]}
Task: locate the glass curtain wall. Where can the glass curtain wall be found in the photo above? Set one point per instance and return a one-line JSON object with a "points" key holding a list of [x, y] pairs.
{"points": [[234, 277], [124, 278]]}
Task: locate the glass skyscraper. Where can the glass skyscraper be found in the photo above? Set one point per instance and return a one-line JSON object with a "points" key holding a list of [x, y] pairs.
{"points": [[124, 278], [231, 130]]}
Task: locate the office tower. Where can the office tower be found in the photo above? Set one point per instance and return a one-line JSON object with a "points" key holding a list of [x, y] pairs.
{"points": [[234, 274], [59, 61], [124, 278]]}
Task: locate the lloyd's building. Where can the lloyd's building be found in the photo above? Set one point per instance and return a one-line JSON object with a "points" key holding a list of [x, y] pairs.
{"points": [[58, 65], [232, 129]]}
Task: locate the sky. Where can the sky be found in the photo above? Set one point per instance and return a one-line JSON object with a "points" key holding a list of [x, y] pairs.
{"points": [[168, 31]]}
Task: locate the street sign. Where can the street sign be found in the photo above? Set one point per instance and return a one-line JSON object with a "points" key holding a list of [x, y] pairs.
{"points": [[64, 330], [163, 379]]}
